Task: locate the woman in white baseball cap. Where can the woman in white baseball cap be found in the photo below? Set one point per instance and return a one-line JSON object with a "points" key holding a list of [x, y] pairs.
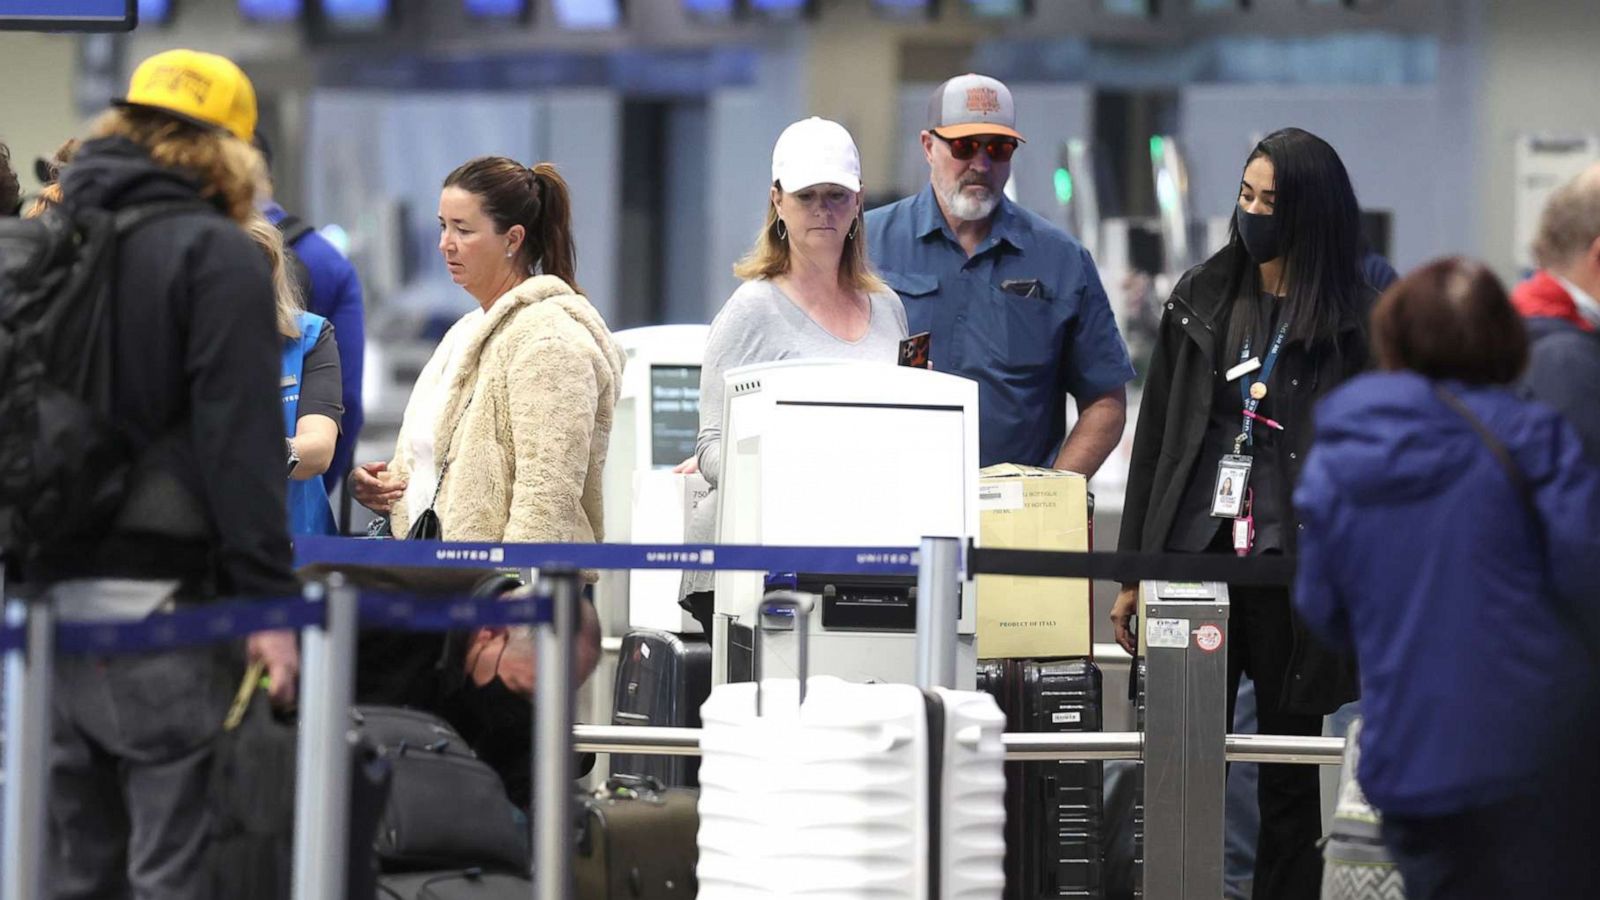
{"points": [[808, 292]]}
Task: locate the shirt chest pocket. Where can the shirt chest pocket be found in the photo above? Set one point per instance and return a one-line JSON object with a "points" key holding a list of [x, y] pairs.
{"points": [[1022, 335], [911, 287]]}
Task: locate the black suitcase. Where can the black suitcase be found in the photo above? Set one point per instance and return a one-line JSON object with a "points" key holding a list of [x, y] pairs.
{"points": [[456, 884], [1138, 794], [1054, 810], [662, 680]]}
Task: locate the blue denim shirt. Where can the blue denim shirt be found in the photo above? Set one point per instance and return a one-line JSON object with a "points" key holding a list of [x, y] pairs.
{"points": [[1026, 353]]}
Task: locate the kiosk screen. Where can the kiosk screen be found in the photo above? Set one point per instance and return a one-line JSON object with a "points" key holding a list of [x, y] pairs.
{"points": [[674, 414]]}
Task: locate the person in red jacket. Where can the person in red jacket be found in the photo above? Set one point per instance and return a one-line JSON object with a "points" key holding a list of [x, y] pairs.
{"points": [[1561, 304]]}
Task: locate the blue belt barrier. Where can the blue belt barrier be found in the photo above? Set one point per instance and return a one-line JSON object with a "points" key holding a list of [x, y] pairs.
{"points": [[195, 626], [734, 557], [187, 627], [408, 612]]}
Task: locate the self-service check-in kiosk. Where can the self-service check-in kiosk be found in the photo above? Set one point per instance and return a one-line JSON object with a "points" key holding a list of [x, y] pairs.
{"points": [[657, 420], [836, 453]]}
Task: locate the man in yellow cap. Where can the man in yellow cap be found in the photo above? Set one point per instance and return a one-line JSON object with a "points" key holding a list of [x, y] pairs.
{"points": [[194, 363]]}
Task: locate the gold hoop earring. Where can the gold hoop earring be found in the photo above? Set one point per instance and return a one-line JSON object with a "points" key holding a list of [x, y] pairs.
{"points": [[783, 231]]}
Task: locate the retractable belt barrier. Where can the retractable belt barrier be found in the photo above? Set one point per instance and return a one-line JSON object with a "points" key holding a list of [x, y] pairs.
{"points": [[1258, 571], [329, 613]]}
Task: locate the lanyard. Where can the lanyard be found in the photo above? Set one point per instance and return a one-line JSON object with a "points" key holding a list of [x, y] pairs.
{"points": [[1251, 404]]}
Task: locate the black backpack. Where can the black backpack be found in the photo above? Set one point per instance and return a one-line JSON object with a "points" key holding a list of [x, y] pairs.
{"points": [[63, 462]]}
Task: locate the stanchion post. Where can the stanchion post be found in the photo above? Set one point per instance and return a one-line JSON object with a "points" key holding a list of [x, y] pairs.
{"points": [[552, 736], [322, 769], [1186, 635], [938, 611], [28, 674]]}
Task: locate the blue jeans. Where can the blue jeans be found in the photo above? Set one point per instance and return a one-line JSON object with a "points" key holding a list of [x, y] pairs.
{"points": [[1243, 816]]}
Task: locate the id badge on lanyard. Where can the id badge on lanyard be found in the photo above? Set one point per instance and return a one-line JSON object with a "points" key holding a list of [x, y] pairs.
{"points": [[1230, 494], [1233, 481]]}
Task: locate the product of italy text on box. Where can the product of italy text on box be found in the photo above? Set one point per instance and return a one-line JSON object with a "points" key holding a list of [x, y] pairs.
{"points": [[1028, 508]]}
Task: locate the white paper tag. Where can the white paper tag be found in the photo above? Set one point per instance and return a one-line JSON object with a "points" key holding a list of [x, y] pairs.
{"points": [[1243, 369], [1066, 718], [1169, 634], [1000, 496]]}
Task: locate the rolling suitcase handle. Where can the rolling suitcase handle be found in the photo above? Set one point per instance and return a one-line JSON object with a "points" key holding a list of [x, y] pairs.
{"points": [[802, 605]]}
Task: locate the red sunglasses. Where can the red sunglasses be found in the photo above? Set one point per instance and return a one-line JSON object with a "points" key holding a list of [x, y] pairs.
{"points": [[965, 148]]}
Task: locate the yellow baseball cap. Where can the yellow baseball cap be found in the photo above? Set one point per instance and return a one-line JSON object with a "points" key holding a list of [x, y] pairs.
{"points": [[202, 88]]}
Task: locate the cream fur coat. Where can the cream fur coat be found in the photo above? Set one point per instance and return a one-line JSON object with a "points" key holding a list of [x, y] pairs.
{"points": [[543, 375]]}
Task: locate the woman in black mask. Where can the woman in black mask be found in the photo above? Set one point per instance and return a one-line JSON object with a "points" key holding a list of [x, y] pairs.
{"points": [[1249, 341]]}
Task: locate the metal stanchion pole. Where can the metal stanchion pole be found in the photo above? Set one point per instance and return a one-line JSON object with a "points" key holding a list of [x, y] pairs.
{"points": [[1186, 630], [322, 770], [938, 611], [552, 737], [28, 673]]}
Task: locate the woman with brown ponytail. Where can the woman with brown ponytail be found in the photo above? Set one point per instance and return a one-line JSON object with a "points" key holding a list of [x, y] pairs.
{"points": [[505, 434]]}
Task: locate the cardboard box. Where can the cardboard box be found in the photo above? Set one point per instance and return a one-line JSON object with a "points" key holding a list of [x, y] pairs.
{"points": [[1027, 508]]}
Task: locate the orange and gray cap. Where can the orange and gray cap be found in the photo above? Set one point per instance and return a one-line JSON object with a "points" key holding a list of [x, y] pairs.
{"points": [[970, 105]]}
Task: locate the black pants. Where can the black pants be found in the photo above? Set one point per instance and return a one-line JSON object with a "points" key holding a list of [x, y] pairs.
{"points": [[1261, 638], [701, 605], [1500, 851]]}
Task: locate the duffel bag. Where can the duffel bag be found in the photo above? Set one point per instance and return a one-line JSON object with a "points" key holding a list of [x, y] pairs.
{"points": [[446, 807]]}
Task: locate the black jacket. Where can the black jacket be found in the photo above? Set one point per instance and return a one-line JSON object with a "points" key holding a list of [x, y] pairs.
{"points": [[1173, 413], [196, 370]]}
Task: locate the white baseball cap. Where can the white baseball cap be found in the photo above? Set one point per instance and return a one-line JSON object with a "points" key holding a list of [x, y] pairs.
{"points": [[970, 105], [816, 151]]}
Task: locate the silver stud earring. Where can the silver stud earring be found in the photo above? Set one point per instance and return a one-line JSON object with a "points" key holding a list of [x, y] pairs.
{"points": [[510, 253]]}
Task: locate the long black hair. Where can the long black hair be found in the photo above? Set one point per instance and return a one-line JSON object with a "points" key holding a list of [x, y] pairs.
{"points": [[1319, 241]]}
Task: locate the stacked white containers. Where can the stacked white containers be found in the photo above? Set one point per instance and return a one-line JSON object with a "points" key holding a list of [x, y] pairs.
{"points": [[833, 800]]}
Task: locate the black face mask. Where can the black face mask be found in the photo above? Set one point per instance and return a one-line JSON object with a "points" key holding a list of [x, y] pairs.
{"points": [[1259, 233], [492, 704]]}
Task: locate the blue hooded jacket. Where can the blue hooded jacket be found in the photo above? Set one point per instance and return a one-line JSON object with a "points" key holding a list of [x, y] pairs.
{"points": [[1419, 554]]}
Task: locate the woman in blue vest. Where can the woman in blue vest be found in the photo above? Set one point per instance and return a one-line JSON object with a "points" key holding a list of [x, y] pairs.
{"points": [[311, 391]]}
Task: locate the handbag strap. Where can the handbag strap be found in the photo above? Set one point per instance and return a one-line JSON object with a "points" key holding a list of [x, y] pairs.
{"points": [[1498, 450], [444, 467]]}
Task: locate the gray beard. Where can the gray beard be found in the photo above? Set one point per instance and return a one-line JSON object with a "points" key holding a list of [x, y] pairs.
{"points": [[969, 209]]}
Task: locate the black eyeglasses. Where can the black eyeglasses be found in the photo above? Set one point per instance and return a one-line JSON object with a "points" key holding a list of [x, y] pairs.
{"points": [[965, 148]]}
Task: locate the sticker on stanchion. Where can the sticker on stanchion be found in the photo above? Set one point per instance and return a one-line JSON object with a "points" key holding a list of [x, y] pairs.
{"points": [[1208, 638], [1168, 634]]}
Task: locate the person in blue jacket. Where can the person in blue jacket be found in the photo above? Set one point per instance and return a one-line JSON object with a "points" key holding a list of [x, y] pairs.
{"points": [[309, 390], [332, 290], [1452, 541]]}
